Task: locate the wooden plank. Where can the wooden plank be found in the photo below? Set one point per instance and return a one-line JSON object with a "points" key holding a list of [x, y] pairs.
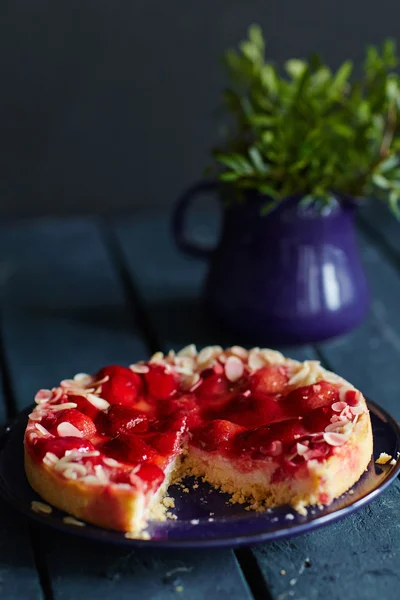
{"points": [[376, 218], [319, 562], [354, 558], [62, 306], [369, 356], [18, 575], [148, 574], [74, 318]]}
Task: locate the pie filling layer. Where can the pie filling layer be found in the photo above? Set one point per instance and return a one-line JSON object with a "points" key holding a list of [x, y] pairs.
{"points": [[254, 423]]}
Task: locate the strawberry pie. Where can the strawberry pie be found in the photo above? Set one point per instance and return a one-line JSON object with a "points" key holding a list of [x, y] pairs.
{"points": [[264, 428]]}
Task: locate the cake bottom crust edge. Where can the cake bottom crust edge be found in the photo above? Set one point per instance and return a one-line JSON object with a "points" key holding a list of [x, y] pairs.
{"points": [[106, 506]]}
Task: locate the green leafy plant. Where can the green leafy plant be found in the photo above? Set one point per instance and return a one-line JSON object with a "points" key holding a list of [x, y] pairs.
{"points": [[311, 131]]}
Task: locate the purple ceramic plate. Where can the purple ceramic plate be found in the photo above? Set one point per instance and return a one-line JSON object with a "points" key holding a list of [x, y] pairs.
{"points": [[204, 516]]}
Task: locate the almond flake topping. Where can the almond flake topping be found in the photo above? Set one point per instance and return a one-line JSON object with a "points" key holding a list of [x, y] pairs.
{"points": [[64, 406], [336, 439], [189, 350], [43, 396], [157, 357], [308, 373], [42, 430], [73, 521], [66, 429], [83, 378], [255, 360], [190, 382], [111, 462], [240, 352], [272, 356], [139, 368], [205, 355], [234, 368], [41, 507], [98, 402]]}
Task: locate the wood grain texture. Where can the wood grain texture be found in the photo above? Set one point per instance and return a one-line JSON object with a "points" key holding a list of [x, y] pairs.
{"points": [[356, 558], [18, 575], [369, 356], [64, 311]]}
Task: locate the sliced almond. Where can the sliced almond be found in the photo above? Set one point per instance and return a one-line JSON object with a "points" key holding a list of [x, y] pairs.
{"points": [[205, 355], [336, 439], [240, 352], [272, 356], [337, 425], [43, 396], [66, 429], [234, 368], [73, 521], [64, 406], [301, 448], [139, 368], [42, 429], [189, 350], [41, 507], [255, 360], [83, 378], [157, 357], [339, 406], [98, 402]]}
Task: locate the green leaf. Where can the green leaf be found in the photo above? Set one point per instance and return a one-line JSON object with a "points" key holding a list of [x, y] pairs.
{"points": [[380, 181], [394, 198], [257, 160], [256, 37], [309, 131], [269, 78], [342, 75], [295, 67], [229, 176], [389, 164]]}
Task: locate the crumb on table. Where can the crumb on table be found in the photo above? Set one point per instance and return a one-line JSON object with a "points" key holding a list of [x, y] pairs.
{"points": [[383, 458]]}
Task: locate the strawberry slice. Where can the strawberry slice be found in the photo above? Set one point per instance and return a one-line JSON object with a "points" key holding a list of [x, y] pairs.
{"points": [[82, 422], [255, 440], [316, 420], [151, 475], [84, 406], [129, 449], [122, 420], [256, 410], [269, 380], [160, 383], [123, 386], [310, 397], [216, 435], [59, 446], [167, 440]]}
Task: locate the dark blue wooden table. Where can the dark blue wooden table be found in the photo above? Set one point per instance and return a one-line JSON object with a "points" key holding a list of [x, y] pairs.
{"points": [[80, 293]]}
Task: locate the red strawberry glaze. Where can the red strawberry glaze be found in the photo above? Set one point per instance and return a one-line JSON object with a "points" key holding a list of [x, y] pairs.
{"points": [[122, 387], [256, 417], [59, 446]]}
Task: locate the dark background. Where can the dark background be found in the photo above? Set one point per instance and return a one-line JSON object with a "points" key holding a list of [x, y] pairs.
{"points": [[108, 106]]}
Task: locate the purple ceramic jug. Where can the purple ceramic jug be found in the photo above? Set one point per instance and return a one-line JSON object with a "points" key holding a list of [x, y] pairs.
{"points": [[292, 276]]}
